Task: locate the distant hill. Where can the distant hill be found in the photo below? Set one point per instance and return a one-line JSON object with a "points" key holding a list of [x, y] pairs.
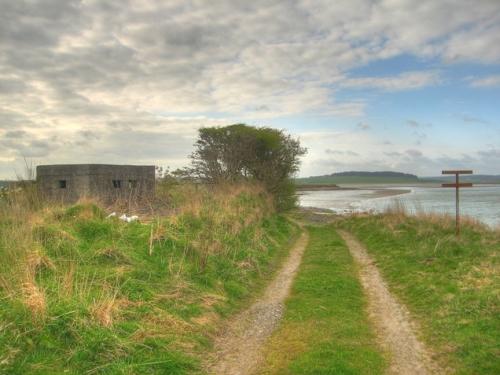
{"points": [[475, 178], [360, 177], [387, 177]]}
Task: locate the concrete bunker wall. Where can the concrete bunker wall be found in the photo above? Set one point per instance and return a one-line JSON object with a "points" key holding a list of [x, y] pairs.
{"points": [[107, 182]]}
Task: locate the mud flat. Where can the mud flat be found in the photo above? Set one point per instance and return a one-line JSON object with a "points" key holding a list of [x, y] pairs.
{"points": [[348, 200], [383, 193]]}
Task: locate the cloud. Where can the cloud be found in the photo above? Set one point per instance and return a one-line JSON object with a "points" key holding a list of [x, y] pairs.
{"points": [[412, 161], [418, 134], [363, 126], [413, 123], [15, 134], [394, 154], [9, 86], [473, 120], [88, 135], [416, 124], [341, 152], [485, 82], [474, 43], [74, 74], [414, 153], [404, 81], [419, 137], [27, 148], [491, 156]]}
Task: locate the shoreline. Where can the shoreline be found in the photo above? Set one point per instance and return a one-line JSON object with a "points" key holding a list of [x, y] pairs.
{"points": [[340, 206], [384, 193], [371, 193], [326, 187], [365, 194]]}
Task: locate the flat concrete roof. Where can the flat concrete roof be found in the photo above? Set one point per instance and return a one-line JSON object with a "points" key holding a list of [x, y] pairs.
{"points": [[93, 169], [92, 165]]}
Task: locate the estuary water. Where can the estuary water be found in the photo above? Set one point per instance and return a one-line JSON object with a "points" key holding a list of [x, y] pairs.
{"points": [[481, 202]]}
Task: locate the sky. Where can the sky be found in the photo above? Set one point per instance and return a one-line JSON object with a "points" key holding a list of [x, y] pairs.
{"points": [[400, 85]]}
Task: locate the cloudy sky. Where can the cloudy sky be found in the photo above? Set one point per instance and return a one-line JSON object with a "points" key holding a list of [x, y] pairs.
{"points": [[405, 85]]}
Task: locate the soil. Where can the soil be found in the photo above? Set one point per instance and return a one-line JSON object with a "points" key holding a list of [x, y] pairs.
{"points": [[395, 330], [238, 348]]}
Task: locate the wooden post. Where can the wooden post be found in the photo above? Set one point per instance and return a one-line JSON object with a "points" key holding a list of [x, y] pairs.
{"points": [[457, 185]]}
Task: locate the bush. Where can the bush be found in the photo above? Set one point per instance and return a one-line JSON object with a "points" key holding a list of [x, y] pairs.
{"points": [[241, 152]]}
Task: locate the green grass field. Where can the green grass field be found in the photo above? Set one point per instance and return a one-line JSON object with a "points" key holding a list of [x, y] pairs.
{"points": [[325, 329], [451, 285], [83, 294]]}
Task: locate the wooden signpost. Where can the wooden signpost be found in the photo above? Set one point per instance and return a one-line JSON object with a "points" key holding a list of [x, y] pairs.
{"points": [[457, 185]]}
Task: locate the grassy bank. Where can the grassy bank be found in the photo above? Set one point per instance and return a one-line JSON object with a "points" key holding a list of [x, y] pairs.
{"points": [[82, 293], [451, 285], [325, 329]]}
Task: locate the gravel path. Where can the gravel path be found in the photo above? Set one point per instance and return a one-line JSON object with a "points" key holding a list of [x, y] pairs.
{"points": [[392, 321], [238, 349]]}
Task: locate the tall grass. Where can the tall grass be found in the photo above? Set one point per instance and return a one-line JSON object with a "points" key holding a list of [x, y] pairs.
{"points": [[20, 211], [399, 212], [80, 292]]}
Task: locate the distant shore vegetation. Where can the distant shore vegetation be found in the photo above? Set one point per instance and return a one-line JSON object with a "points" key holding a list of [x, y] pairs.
{"points": [[389, 177]]}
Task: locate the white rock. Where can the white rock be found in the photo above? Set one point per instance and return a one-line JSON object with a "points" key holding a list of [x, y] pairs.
{"points": [[129, 219]]}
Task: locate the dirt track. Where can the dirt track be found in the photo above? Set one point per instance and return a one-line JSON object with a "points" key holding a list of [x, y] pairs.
{"points": [[395, 330], [238, 349]]}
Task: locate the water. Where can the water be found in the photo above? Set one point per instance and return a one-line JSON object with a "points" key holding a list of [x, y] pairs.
{"points": [[480, 202]]}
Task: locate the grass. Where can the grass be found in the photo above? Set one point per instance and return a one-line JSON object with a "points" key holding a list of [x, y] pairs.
{"points": [[325, 329], [451, 285], [84, 294]]}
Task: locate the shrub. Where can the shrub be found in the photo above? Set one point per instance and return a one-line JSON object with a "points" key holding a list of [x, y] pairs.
{"points": [[241, 152]]}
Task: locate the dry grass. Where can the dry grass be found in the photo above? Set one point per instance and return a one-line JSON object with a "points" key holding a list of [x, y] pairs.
{"points": [[22, 257], [287, 344], [67, 281], [33, 298], [398, 213], [105, 309], [484, 275], [161, 323]]}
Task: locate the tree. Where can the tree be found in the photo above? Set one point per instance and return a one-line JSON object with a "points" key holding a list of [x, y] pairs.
{"points": [[241, 152]]}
